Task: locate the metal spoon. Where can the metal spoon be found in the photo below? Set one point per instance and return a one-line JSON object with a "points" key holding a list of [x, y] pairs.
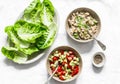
{"points": [[51, 75], [103, 47], [100, 44]]}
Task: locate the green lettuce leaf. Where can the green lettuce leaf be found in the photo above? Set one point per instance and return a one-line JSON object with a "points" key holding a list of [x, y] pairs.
{"points": [[14, 38], [47, 13], [47, 39], [49, 5], [28, 31], [30, 50], [21, 45], [32, 12], [41, 40], [14, 54]]}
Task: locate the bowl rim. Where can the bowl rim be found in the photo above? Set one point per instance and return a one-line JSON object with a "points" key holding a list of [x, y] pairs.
{"points": [[81, 65], [86, 9], [103, 57]]}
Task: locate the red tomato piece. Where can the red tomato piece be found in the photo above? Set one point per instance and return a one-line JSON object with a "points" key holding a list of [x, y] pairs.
{"points": [[70, 67], [69, 58], [63, 72], [75, 70], [55, 58], [74, 73], [76, 67], [61, 77], [72, 56], [59, 68], [71, 52]]}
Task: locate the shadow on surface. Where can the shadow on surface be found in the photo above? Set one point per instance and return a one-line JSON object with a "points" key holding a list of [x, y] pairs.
{"points": [[97, 70], [20, 66], [24, 66], [52, 81], [81, 47]]}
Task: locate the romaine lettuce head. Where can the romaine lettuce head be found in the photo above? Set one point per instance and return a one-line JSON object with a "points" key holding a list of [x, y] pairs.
{"points": [[35, 31]]}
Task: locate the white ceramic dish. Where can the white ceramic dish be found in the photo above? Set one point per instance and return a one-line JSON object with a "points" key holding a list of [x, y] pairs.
{"points": [[103, 60]]}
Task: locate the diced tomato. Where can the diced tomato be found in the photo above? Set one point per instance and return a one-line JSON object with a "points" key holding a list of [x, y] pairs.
{"points": [[70, 67], [72, 56], [63, 72], [71, 52], [69, 58], [75, 70], [61, 77], [74, 73], [59, 68], [55, 58], [76, 67]]}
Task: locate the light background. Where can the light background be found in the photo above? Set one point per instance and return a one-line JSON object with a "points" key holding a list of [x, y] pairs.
{"points": [[36, 73]]}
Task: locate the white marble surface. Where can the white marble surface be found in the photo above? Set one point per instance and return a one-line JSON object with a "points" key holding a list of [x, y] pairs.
{"points": [[35, 73]]}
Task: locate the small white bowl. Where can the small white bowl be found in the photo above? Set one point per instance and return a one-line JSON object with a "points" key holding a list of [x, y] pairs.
{"points": [[101, 64]]}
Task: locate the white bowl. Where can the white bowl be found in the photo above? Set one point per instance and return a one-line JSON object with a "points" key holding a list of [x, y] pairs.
{"points": [[65, 48], [93, 14], [103, 60]]}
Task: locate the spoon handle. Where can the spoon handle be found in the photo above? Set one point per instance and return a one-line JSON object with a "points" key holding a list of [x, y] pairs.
{"points": [[101, 44], [51, 76]]}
